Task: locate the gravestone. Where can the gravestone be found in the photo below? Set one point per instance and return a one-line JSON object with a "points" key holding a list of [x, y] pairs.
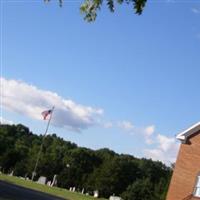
{"points": [[11, 174], [49, 183], [96, 193], [54, 182], [42, 180], [115, 198], [83, 191]]}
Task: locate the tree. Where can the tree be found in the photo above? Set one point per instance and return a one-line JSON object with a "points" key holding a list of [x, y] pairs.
{"points": [[79, 167], [141, 189], [90, 7]]}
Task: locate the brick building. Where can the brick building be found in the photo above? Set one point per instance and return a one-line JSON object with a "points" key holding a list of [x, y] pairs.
{"points": [[185, 182]]}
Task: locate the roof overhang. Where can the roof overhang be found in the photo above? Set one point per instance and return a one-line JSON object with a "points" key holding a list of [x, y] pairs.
{"points": [[188, 132]]}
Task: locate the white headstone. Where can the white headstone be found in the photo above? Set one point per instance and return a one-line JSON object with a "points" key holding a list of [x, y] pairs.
{"points": [[96, 193], [11, 174], [115, 198], [49, 183], [42, 180], [83, 191], [54, 182]]}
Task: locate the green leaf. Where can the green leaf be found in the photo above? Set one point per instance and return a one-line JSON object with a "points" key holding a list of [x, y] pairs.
{"points": [[110, 4]]}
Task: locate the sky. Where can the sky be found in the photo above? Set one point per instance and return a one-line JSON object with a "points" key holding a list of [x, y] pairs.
{"points": [[125, 82]]}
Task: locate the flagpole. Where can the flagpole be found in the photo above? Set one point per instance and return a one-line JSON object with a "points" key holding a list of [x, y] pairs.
{"points": [[40, 151]]}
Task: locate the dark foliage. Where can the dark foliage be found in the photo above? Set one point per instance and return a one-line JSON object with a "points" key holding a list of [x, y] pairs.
{"points": [[102, 170], [90, 7]]}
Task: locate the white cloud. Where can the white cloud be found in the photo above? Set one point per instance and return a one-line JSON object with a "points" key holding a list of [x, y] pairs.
{"points": [[108, 125], [149, 130], [166, 149], [28, 100], [126, 125], [146, 132], [165, 143], [148, 140], [196, 10], [5, 121]]}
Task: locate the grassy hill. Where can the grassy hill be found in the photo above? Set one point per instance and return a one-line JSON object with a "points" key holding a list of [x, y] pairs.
{"points": [[46, 189]]}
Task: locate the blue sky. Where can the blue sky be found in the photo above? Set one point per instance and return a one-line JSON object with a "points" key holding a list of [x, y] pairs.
{"points": [[138, 74]]}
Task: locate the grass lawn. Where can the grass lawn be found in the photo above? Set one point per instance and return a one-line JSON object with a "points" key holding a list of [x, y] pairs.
{"points": [[44, 188]]}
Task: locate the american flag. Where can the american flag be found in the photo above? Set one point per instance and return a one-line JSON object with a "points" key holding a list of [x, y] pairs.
{"points": [[46, 113]]}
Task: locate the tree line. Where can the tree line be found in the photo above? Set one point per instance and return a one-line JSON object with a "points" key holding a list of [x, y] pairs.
{"points": [[103, 170]]}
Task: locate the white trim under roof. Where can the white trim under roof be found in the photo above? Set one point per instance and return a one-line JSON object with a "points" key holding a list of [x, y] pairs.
{"points": [[188, 132]]}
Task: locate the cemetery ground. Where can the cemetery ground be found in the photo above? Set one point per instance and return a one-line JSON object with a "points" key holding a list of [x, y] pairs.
{"points": [[55, 191], [9, 191]]}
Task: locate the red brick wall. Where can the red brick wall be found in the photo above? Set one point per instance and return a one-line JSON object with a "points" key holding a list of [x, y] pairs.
{"points": [[186, 169]]}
